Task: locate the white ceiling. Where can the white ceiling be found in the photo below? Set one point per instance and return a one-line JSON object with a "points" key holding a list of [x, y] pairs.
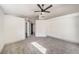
{"points": [[27, 10]]}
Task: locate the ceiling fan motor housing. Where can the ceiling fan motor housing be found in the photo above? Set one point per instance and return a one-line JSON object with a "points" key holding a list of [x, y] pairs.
{"points": [[42, 16]]}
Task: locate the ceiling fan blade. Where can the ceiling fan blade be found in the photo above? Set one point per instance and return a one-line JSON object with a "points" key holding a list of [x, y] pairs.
{"points": [[37, 11], [47, 11], [39, 7], [48, 7]]}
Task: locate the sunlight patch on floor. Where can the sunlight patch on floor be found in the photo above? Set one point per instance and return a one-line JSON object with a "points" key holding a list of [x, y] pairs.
{"points": [[39, 47]]}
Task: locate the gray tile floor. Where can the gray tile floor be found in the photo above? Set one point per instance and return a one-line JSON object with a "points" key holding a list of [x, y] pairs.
{"points": [[52, 46]]}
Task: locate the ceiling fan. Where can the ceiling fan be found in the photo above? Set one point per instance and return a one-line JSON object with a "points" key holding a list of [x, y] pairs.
{"points": [[42, 9]]}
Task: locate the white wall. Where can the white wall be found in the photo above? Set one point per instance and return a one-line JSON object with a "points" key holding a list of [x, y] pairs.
{"points": [[40, 28], [1, 29], [14, 29], [65, 27]]}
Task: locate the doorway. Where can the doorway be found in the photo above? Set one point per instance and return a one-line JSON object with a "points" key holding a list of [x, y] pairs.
{"points": [[32, 29], [25, 30], [29, 30]]}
